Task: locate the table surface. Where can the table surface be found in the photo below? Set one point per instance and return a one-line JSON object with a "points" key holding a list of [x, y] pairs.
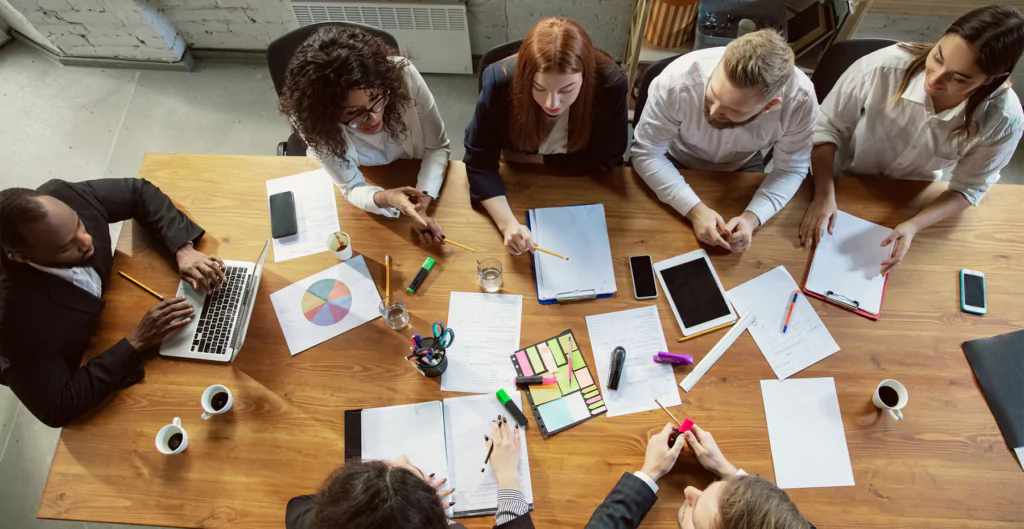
{"points": [[945, 466]]}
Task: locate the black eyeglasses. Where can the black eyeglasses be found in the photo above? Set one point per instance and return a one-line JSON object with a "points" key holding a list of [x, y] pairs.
{"points": [[376, 107]]}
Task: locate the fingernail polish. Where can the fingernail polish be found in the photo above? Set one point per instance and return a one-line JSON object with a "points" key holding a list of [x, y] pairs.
{"points": [[453, 504], [431, 475]]}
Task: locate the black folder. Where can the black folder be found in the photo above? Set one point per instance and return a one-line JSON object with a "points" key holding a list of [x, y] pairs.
{"points": [[998, 363]]}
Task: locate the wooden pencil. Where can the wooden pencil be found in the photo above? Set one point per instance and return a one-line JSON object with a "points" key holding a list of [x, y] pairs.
{"points": [[140, 285], [549, 252], [453, 243], [702, 333], [387, 276]]}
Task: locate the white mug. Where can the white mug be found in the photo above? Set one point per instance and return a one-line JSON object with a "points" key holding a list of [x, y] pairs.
{"points": [[332, 243], [208, 409], [163, 438], [901, 398]]}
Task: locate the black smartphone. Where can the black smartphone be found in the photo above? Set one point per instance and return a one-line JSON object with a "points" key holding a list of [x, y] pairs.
{"points": [[282, 215], [643, 277]]}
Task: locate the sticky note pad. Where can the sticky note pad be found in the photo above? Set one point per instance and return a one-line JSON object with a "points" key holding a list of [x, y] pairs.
{"points": [[577, 359], [566, 342], [582, 376], [545, 355], [556, 352], [563, 412], [524, 364], [564, 383], [545, 393], [538, 366]]}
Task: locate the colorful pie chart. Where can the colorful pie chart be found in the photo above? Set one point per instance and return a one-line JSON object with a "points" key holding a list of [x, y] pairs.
{"points": [[326, 302]]}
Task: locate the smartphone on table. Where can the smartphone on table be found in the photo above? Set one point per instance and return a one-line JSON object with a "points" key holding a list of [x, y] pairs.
{"points": [[642, 269], [972, 292]]}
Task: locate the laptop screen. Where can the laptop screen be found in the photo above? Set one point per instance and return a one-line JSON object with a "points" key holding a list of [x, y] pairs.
{"points": [[249, 300]]}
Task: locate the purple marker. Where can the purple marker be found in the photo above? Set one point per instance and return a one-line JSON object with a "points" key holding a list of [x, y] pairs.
{"points": [[669, 358]]}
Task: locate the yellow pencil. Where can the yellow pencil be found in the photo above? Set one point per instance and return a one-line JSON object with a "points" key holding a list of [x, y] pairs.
{"points": [[549, 252], [702, 333], [453, 243], [387, 276], [140, 285]]}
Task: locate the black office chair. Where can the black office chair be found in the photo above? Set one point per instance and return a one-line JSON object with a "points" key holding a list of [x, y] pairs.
{"points": [[494, 55], [279, 55], [838, 58], [652, 71]]}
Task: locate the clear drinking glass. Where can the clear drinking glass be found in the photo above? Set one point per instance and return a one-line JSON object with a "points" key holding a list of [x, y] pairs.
{"points": [[392, 309], [489, 271]]}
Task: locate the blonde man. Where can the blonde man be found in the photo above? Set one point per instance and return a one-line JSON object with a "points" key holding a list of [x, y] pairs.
{"points": [[717, 109]]}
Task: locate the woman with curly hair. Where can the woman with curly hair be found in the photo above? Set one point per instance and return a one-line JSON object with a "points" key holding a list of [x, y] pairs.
{"points": [[356, 103], [560, 102]]}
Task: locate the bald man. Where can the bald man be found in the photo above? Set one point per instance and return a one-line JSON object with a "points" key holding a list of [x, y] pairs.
{"points": [[56, 262]]}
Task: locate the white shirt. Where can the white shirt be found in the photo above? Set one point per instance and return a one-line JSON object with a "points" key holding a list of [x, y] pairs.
{"points": [[375, 149], [673, 122], [426, 140], [558, 137], [908, 139], [84, 277]]}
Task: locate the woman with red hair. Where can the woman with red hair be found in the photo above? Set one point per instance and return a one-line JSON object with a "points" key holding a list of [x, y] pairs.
{"points": [[559, 101]]}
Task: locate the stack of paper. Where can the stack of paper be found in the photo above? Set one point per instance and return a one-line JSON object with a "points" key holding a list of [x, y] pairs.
{"points": [[847, 264], [581, 234], [486, 328]]}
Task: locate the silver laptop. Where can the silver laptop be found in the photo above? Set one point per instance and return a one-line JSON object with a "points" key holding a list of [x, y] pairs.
{"points": [[218, 326]]}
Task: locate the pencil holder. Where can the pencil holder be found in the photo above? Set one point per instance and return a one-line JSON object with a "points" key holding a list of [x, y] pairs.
{"points": [[432, 371]]}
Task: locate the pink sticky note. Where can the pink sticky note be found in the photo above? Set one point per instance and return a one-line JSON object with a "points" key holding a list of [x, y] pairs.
{"points": [[549, 359], [524, 363]]}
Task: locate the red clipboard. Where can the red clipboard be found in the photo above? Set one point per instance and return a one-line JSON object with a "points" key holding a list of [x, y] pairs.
{"points": [[826, 298]]}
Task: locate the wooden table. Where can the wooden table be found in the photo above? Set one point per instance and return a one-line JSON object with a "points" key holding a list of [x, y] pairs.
{"points": [[945, 466]]}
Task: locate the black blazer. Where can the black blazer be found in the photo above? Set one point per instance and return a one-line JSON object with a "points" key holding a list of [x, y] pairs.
{"points": [[624, 507], [487, 133], [46, 322]]}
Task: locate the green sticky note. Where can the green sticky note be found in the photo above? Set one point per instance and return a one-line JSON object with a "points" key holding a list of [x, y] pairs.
{"points": [[566, 343], [563, 381], [577, 360], [538, 366], [544, 393], [556, 352]]}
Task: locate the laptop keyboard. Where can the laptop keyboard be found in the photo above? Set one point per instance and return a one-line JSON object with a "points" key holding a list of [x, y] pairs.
{"points": [[219, 312]]}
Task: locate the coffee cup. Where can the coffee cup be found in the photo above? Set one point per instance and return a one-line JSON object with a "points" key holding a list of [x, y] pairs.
{"points": [[172, 439], [891, 396], [340, 244], [216, 400]]}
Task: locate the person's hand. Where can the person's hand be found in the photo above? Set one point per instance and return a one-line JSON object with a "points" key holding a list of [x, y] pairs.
{"points": [[159, 322], [901, 237], [442, 493], [405, 200], [708, 226], [505, 454], [518, 157], [432, 233], [822, 211], [205, 273], [660, 458], [741, 231], [518, 239], [708, 453]]}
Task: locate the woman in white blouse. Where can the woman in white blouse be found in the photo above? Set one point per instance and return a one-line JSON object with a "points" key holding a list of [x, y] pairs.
{"points": [[356, 105], [911, 110]]}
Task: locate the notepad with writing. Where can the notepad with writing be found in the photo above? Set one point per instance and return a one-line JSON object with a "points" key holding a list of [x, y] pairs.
{"points": [[845, 266], [444, 438], [581, 234]]}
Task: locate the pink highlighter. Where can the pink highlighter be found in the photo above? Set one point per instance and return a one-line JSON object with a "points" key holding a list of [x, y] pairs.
{"points": [[686, 426]]}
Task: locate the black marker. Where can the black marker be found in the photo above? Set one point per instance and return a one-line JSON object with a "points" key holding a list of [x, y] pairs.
{"points": [[618, 360], [421, 275], [517, 414]]}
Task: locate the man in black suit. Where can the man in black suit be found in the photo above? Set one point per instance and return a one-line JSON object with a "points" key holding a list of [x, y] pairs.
{"points": [[57, 258]]}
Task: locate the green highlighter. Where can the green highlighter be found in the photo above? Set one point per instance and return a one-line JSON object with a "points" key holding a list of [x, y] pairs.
{"points": [[421, 275], [514, 410]]}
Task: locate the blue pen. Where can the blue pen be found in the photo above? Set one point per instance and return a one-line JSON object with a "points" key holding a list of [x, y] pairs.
{"points": [[419, 340], [789, 315]]}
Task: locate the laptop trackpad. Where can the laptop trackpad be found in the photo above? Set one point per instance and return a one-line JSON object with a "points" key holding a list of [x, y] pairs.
{"points": [[180, 341]]}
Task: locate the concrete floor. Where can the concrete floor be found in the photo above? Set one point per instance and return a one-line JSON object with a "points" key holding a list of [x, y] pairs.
{"points": [[84, 123]]}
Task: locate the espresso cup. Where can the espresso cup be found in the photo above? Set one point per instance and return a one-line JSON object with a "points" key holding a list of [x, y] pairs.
{"points": [[216, 400], [340, 244], [172, 439], [890, 396]]}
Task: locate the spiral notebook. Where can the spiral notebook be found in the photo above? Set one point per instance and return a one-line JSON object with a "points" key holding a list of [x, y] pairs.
{"points": [[444, 438]]}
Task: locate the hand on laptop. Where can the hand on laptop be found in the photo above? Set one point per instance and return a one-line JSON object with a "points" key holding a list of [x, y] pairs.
{"points": [[204, 273], [168, 315]]}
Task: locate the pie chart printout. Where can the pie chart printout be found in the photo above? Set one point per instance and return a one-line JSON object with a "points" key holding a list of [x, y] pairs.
{"points": [[326, 302]]}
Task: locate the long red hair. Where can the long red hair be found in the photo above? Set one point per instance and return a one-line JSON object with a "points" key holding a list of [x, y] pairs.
{"points": [[554, 45]]}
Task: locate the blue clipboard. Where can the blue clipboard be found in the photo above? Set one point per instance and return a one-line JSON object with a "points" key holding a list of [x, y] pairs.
{"points": [[578, 295]]}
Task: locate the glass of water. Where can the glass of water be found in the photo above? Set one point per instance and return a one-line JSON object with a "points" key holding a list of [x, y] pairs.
{"points": [[392, 309], [489, 271]]}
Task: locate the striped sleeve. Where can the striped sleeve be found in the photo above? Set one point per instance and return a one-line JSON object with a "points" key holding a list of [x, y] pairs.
{"points": [[511, 505]]}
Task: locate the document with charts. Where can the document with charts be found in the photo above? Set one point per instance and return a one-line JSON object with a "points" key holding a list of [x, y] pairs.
{"points": [[807, 340], [486, 328]]}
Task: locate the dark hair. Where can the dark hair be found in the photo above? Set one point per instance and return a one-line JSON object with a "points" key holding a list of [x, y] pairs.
{"points": [[378, 495], [556, 45], [331, 62], [996, 33], [752, 501], [18, 207]]}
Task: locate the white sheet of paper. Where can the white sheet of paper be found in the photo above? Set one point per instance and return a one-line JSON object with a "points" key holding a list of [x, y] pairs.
{"points": [[326, 304], [413, 430], [486, 328], [767, 297], [643, 380], [806, 432], [1020, 455], [848, 262], [316, 213], [467, 421], [581, 234]]}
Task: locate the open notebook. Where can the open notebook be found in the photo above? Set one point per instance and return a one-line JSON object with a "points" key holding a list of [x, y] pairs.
{"points": [[442, 438], [845, 266], [581, 234]]}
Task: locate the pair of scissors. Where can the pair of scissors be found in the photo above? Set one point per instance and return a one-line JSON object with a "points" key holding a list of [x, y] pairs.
{"points": [[443, 337]]}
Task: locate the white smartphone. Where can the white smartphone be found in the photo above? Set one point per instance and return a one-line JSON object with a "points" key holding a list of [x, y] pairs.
{"points": [[972, 292], [642, 269]]}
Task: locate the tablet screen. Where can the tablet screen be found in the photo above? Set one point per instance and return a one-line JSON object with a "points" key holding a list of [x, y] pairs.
{"points": [[695, 293]]}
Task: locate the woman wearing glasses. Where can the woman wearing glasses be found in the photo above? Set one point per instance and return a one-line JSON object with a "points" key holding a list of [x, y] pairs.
{"points": [[355, 104]]}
